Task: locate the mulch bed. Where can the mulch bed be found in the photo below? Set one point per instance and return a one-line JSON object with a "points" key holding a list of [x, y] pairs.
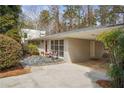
{"points": [[104, 83], [15, 71], [95, 64]]}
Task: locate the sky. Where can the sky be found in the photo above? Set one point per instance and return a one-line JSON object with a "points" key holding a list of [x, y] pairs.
{"points": [[34, 10]]}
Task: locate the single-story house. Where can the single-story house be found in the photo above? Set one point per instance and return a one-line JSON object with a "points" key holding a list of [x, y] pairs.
{"points": [[77, 45]]}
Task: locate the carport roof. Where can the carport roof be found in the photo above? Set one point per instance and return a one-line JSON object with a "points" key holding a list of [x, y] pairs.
{"points": [[84, 33]]}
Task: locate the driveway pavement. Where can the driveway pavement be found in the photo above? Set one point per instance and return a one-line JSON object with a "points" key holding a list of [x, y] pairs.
{"points": [[56, 76]]}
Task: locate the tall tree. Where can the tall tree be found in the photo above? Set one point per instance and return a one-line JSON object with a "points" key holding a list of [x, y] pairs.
{"points": [[113, 16], [33, 16], [54, 10], [44, 19], [103, 14], [26, 21], [9, 17], [78, 9], [116, 11], [69, 15], [91, 16]]}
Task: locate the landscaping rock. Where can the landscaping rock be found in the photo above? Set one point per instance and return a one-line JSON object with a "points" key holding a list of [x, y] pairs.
{"points": [[39, 60]]}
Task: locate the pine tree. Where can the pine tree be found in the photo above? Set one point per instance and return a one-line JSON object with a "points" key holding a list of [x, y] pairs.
{"points": [[91, 16], [54, 10], [103, 14], [69, 15], [44, 19], [9, 17]]}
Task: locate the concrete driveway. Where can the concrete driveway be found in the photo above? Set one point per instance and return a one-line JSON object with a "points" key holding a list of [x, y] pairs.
{"points": [[53, 76]]}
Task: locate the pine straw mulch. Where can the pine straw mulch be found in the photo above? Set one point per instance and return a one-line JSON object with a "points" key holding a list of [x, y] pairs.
{"points": [[15, 71], [95, 64], [104, 83]]}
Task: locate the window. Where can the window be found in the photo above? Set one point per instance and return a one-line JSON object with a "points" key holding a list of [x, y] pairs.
{"points": [[61, 48], [57, 46]]}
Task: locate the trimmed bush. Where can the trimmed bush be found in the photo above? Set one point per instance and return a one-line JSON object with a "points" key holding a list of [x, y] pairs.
{"points": [[10, 52], [32, 49]]}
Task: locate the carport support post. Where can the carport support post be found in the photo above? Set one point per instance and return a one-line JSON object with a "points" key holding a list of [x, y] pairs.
{"points": [[92, 49]]}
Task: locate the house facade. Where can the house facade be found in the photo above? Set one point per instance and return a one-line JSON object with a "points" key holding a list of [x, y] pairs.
{"points": [[31, 34], [77, 45]]}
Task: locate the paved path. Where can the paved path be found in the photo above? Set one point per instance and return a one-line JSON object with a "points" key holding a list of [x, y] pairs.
{"points": [[60, 75]]}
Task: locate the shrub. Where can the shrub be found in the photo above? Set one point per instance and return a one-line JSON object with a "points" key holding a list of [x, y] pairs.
{"points": [[113, 41], [32, 49], [36, 42], [14, 33], [25, 50], [10, 52]]}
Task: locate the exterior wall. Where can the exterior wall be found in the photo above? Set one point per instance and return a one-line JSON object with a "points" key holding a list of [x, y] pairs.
{"points": [[99, 47], [31, 34], [92, 49], [76, 50], [67, 57]]}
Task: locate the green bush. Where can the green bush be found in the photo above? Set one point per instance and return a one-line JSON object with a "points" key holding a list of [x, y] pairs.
{"points": [[32, 49], [113, 41], [10, 52], [14, 33], [117, 75]]}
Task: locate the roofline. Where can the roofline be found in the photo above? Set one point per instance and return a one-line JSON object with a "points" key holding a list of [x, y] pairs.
{"points": [[80, 30]]}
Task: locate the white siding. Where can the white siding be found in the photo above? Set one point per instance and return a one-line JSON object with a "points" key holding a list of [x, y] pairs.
{"points": [[32, 34], [76, 50]]}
